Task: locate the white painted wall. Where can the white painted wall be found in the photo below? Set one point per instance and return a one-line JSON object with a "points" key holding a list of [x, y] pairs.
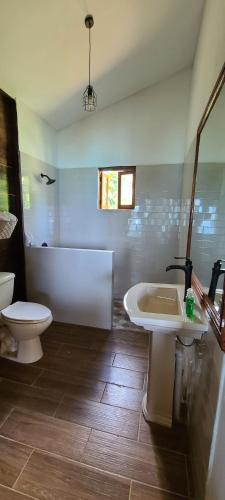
{"points": [[209, 59], [36, 137], [146, 128], [208, 63]]}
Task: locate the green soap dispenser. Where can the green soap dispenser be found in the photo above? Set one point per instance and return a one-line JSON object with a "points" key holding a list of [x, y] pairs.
{"points": [[190, 303]]}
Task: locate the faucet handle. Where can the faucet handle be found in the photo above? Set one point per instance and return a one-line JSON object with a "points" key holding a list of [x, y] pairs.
{"points": [[218, 263]]}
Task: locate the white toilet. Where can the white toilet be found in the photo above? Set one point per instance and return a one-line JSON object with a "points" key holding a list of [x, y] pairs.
{"points": [[26, 321]]}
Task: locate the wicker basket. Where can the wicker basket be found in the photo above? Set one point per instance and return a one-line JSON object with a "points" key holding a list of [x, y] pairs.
{"points": [[8, 223]]}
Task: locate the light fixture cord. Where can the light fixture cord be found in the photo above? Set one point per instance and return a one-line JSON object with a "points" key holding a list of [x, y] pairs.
{"points": [[89, 55]]}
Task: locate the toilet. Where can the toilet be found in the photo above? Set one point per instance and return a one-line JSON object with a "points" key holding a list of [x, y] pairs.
{"points": [[26, 321]]}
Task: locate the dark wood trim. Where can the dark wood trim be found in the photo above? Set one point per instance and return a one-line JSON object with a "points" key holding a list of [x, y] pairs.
{"points": [[121, 171], [217, 320], [118, 169], [12, 256]]}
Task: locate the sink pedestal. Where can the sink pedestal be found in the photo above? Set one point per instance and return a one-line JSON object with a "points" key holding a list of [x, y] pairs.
{"points": [[157, 403], [160, 309]]}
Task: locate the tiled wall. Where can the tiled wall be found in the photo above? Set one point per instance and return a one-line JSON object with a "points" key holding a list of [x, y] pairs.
{"points": [[145, 240], [203, 388], [40, 202], [208, 234]]}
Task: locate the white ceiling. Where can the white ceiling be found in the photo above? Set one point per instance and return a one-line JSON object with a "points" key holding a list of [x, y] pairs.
{"points": [[135, 43]]}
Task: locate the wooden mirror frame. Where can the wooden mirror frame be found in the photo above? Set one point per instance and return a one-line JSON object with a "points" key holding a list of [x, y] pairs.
{"points": [[217, 320]]}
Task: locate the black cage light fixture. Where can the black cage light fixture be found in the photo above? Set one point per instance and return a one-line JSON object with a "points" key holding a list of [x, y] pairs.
{"points": [[89, 95]]}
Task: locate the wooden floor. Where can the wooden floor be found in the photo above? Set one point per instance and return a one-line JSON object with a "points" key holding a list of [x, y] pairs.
{"points": [[71, 425]]}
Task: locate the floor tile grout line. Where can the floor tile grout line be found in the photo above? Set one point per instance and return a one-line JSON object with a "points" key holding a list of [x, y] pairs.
{"points": [[20, 493], [79, 461], [117, 406], [139, 426], [29, 411], [102, 403], [58, 405], [187, 477], [53, 415], [129, 370], [130, 489], [75, 373], [6, 418], [93, 429], [163, 490], [104, 390], [21, 472], [37, 378], [84, 450], [114, 474]]}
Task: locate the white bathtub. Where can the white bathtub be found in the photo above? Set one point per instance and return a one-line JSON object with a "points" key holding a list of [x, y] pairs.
{"points": [[76, 284]]}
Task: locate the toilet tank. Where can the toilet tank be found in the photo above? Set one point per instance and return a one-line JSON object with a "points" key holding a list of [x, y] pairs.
{"points": [[6, 289]]}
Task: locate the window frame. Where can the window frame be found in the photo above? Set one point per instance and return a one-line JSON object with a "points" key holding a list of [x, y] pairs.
{"points": [[121, 171]]}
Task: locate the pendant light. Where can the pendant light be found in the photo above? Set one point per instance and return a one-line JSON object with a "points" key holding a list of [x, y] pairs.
{"points": [[89, 95]]}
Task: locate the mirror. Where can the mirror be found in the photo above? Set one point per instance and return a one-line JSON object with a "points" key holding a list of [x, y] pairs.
{"points": [[206, 237], [208, 228]]}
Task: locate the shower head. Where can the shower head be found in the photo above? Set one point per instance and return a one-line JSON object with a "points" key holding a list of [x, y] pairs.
{"points": [[49, 180]]}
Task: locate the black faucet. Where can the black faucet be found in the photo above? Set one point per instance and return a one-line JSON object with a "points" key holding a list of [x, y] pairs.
{"points": [[216, 272], [187, 268]]}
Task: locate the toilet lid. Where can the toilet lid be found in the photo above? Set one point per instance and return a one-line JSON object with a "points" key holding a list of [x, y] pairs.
{"points": [[26, 311]]}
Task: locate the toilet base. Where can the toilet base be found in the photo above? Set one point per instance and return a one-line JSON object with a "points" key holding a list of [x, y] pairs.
{"points": [[29, 351]]}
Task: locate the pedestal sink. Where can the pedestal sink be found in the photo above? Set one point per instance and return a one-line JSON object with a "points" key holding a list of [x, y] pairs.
{"points": [[160, 309]]}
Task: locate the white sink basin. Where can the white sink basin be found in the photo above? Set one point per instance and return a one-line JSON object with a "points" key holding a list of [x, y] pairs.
{"points": [[161, 305], [160, 309]]}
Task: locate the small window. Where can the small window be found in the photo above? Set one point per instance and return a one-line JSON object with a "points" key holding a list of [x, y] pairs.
{"points": [[116, 188]]}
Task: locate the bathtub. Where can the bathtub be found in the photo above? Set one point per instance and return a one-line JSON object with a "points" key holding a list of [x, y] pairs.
{"points": [[76, 284]]}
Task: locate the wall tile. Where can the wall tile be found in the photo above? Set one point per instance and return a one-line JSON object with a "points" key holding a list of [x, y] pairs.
{"points": [[40, 202], [144, 239]]}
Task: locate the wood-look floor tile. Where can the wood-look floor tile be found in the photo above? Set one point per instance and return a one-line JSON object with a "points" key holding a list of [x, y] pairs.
{"points": [[18, 372], [114, 375], [13, 457], [137, 461], [79, 336], [31, 398], [5, 409], [118, 341], [137, 338], [7, 493], [143, 492], [47, 433], [119, 347], [72, 385], [124, 397], [50, 346], [157, 435], [93, 371], [130, 362], [82, 356], [100, 416], [46, 477]]}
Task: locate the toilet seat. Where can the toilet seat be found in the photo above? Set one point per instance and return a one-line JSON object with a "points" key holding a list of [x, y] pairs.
{"points": [[26, 312]]}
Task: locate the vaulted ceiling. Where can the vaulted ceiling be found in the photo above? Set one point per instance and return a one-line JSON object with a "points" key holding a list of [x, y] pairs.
{"points": [[135, 43]]}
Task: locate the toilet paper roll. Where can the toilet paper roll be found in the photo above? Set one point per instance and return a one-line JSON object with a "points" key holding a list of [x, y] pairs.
{"points": [[8, 223]]}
